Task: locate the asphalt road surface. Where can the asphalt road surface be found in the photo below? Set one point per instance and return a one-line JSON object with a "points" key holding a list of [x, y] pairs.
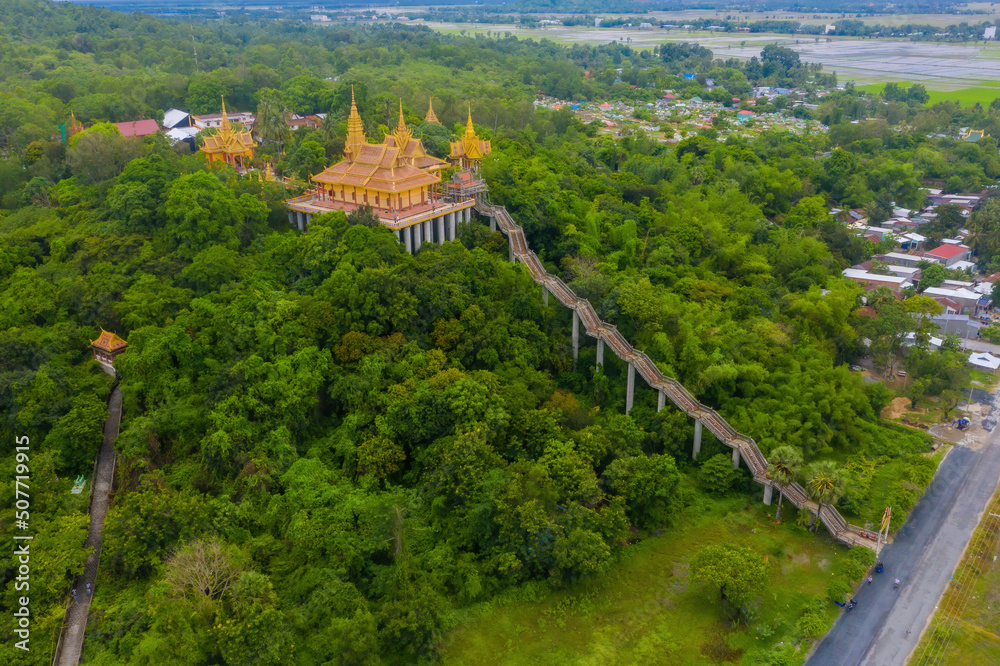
{"points": [[923, 556]]}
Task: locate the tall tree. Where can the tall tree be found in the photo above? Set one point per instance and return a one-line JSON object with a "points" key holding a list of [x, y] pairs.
{"points": [[825, 484], [272, 117], [783, 467]]}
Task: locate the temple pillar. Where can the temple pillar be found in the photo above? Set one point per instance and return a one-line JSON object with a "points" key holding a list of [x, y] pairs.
{"points": [[510, 250], [291, 218], [630, 388], [493, 223], [661, 401], [301, 218], [576, 337], [468, 215], [406, 239], [309, 219], [440, 225], [736, 457], [452, 225], [697, 439], [416, 237], [545, 295], [600, 352], [768, 491]]}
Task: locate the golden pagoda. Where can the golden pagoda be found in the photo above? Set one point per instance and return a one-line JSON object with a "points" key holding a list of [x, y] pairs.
{"points": [[234, 147], [106, 347], [469, 150], [394, 177], [431, 117]]}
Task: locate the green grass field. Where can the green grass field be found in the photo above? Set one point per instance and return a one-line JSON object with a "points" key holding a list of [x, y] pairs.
{"points": [[983, 92], [644, 611]]}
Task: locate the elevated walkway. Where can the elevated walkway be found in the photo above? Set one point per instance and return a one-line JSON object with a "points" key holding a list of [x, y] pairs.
{"points": [[70, 644], [743, 447]]}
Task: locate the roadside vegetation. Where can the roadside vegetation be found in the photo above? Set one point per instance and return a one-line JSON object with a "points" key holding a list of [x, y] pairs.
{"points": [[966, 627]]}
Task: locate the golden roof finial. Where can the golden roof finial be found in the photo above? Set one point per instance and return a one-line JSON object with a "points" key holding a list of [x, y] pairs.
{"points": [[225, 119], [469, 129], [355, 131], [402, 135], [431, 117], [470, 140]]}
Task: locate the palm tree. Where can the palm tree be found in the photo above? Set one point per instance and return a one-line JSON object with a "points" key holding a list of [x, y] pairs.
{"points": [[783, 468], [272, 117], [825, 484]]}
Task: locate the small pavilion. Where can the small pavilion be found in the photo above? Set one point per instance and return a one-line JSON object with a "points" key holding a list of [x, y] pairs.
{"points": [[234, 147], [106, 347], [469, 150]]}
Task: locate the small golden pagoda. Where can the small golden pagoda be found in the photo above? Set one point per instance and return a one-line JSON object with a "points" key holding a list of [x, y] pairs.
{"points": [[431, 117], [106, 347], [469, 150], [233, 147]]}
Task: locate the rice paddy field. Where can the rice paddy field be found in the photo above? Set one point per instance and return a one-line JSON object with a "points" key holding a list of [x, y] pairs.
{"points": [[968, 72]]}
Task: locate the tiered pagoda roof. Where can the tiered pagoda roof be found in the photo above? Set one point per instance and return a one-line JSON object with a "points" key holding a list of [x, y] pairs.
{"points": [[228, 140], [470, 146], [109, 342]]}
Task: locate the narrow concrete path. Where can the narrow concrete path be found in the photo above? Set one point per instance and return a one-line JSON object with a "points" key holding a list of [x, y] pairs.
{"points": [[923, 556], [75, 623]]}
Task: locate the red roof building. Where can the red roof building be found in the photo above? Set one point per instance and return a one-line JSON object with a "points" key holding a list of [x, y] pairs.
{"points": [[950, 254], [138, 128]]}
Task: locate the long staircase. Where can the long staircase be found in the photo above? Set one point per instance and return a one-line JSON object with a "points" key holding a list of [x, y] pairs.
{"points": [[838, 527]]}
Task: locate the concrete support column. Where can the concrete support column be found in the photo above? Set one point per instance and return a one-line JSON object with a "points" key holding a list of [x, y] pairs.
{"points": [[630, 388], [545, 295], [768, 491], [736, 458], [416, 237], [301, 219], [661, 401], [600, 352], [452, 225], [440, 225], [428, 231], [407, 239], [291, 218], [309, 219], [510, 250], [493, 223], [697, 439], [576, 337], [468, 215]]}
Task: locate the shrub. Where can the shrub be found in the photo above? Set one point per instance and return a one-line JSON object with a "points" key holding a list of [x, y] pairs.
{"points": [[717, 474]]}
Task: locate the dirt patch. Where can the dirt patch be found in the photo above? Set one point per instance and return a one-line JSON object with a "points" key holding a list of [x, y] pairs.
{"points": [[823, 564], [897, 408], [679, 577], [715, 648]]}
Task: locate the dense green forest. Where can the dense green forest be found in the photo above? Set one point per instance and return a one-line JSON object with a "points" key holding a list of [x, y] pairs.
{"points": [[350, 443]]}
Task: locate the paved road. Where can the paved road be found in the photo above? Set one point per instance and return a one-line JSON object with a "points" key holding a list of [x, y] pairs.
{"points": [[76, 617], [923, 555]]}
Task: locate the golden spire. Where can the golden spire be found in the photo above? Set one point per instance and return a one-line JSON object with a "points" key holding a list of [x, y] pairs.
{"points": [[469, 140], [469, 129], [402, 134], [430, 117], [355, 131], [226, 129]]}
